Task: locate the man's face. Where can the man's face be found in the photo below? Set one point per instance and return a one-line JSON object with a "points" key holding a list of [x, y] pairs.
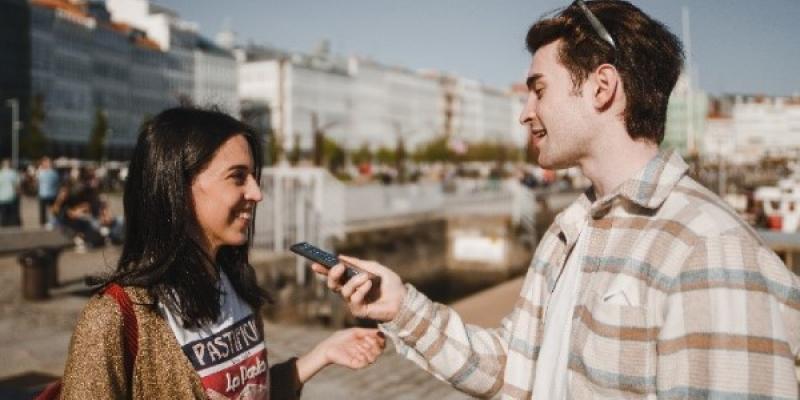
{"points": [[555, 114]]}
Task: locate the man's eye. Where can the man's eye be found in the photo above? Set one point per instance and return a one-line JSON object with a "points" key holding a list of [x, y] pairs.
{"points": [[538, 92]]}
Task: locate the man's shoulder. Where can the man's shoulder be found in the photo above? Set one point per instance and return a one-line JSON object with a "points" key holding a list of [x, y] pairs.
{"points": [[703, 213]]}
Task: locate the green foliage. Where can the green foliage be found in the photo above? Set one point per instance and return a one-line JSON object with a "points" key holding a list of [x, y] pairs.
{"points": [[400, 159], [97, 140], [272, 150], [434, 150], [385, 155], [294, 155], [33, 144], [486, 151], [362, 155], [333, 154]]}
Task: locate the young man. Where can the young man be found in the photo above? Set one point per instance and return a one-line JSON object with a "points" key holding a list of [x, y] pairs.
{"points": [[648, 285], [9, 195], [48, 180]]}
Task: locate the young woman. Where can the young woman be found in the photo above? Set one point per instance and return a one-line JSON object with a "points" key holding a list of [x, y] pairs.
{"points": [[189, 202]]}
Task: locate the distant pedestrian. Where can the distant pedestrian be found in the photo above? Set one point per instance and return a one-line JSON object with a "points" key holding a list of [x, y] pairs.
{"points": [[9, 195], [48, 182]]}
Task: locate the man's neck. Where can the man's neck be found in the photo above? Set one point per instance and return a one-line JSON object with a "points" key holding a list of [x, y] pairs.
{"points": [[616, 161]]}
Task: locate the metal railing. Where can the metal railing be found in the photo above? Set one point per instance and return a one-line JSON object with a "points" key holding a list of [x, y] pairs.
{"points": [[300, 204], [309, 204]]}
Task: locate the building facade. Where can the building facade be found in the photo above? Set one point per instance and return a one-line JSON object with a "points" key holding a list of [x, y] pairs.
{"points": [[357, 101], [15, 80], [686, 118], [745, 128], [75, 60]]}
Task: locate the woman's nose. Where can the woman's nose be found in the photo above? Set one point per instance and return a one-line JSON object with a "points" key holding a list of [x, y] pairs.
{"points": [[253, 190]]}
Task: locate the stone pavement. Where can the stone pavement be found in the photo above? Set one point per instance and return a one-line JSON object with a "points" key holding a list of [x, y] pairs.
{"points": [[34, 337]]}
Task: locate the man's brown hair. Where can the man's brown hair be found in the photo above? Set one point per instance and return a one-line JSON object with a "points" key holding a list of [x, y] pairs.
{"points": [[647, 56]]}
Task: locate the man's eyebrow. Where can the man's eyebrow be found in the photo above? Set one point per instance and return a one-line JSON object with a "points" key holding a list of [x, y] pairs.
{"points": [[532, 80]]}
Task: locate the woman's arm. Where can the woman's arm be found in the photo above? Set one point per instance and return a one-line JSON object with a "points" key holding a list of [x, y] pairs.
{"points": [[95, 367], [353, 348]]}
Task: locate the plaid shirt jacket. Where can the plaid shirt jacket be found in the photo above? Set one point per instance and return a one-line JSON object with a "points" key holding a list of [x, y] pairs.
{"points": [[679, 299]]}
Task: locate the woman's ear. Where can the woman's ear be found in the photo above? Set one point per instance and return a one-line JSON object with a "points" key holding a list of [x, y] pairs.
{"points": [[607, 82]]}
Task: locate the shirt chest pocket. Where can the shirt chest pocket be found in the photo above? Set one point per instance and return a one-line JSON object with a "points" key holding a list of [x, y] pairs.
{"points": [[613, 347]]}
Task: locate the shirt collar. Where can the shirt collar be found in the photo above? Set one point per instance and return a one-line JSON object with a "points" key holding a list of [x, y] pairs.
{"points": [[648, 189]]}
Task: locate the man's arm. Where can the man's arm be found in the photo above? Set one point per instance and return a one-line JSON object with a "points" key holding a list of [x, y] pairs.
{"points": [[434, 337], [731, 324], [470, 358]]}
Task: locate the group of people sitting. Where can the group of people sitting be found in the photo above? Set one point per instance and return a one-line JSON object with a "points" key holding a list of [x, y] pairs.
{"points": [[80, 212]]}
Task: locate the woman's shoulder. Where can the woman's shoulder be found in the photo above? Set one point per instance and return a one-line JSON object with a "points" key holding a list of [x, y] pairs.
{"points": [[104, 309]]}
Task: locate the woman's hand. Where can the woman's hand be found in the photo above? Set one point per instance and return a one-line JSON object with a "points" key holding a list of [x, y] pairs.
{"points": [[353, 348]]}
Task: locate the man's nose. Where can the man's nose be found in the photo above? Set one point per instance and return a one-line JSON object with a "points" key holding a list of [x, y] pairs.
{"points": [[528, 114]]}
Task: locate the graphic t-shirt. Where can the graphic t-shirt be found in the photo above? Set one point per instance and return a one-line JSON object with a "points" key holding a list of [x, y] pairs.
{"points": [[229, 355]]}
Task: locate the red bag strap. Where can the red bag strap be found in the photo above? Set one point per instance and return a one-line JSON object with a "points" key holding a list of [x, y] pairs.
{"points": [[130, 326], [131, 332]]}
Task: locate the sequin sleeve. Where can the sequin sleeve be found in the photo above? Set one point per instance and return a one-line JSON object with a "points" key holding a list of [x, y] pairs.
{"points": [[95, 366]]}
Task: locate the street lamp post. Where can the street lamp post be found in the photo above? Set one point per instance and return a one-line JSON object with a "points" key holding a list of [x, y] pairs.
{"points": [[14, 104]]}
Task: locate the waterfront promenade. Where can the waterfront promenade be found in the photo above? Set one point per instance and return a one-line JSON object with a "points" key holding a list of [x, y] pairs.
{"points": [[34, 337]]}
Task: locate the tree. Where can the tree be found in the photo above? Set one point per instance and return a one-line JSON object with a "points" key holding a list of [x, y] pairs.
{"points": [[434, 150], [294, 156], [385, 155], [333, 154], [362, 155], [400, 159], [273, 150], [97, 140], [33, 145]]}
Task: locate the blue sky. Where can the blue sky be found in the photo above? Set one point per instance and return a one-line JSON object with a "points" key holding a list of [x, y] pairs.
{"points": [[738, 46]]}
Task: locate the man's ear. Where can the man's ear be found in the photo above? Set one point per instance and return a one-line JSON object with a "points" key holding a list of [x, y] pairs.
{"points": [[607, 82]]}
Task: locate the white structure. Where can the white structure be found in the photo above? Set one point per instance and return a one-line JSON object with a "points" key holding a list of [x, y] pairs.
{"points": [[197, 68], [783, 202], [747, 127], [770, 124], [154, 20], [685, 126], [719, 139], [357, 101], [392, 103], [216, 78]]}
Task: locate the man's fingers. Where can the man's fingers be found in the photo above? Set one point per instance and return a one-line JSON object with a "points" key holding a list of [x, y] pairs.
{"points": [[355, 282], [361, 292], [319, 269], [335, 276], [360, 264]]}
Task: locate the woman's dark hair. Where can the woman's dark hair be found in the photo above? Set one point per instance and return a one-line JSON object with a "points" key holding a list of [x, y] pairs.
{"points": [[161, 252], [648, 57]]}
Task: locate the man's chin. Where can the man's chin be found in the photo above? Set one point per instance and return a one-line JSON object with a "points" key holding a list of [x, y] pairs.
{"points": [[554, 163]]}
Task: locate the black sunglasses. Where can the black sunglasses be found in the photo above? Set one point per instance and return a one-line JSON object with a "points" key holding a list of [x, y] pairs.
{"points": [[596, 24]]}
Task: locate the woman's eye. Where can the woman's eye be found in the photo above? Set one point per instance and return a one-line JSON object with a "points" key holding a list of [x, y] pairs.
{"points": [[239, 178]]}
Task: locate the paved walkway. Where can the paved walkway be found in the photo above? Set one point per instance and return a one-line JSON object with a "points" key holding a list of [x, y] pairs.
{"points": [[34, 337]]}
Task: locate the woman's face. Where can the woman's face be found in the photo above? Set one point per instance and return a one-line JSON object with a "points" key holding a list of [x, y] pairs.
{"points": [[225, 194]]}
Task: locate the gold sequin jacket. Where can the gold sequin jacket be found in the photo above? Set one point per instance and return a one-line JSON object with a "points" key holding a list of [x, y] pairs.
{"points": [[95, 366]]}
